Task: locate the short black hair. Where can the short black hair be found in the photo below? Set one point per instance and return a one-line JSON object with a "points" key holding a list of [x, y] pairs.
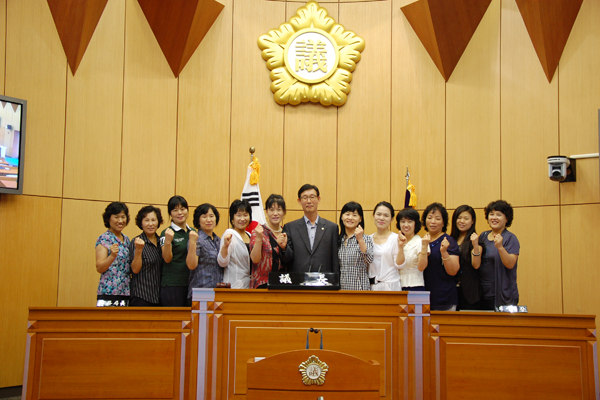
{"points": [[176, 201], [114, 208], [435, 207], [203, 209], [308, 186], [502, 206], [351, 206], [237, 206], [386, 205], [275, 199], [145, 211], [409, 213]]}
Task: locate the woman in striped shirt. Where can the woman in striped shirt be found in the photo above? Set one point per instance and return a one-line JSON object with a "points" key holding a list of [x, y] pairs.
{"points": [[146, 259]]}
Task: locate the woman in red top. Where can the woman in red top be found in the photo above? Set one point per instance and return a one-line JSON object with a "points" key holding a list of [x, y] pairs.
{"points": [[268, 244]]}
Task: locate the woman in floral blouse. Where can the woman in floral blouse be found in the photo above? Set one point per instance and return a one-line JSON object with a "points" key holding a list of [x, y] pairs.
{"points": [[268, 245], [112, 257]]}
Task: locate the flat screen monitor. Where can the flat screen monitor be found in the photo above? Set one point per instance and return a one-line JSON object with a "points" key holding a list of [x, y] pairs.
{"points": [[13, 113]]}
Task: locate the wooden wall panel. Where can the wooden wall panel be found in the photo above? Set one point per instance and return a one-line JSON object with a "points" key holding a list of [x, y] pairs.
{"points": [[78, 279], [529, 117], [579, 101], [539, 269], [36, 70], [256, 119], [364, 121], [149, 115], [204, 117], [579, 260], [95, 113], [2, 44], [418, 116], [300, 164], [473, 118], [29, 243]]}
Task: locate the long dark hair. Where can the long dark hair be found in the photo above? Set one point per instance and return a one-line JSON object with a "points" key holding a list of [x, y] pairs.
{"points": [[351, 206], [466, 246]]}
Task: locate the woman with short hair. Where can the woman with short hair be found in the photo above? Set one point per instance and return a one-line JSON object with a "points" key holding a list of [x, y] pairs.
{"points": [[202, 255], [409, 224], [234, 255], [268, 244], [146, 259], [112, 257], [442, 260], [498, 271], [355, 250], [174, 241], [384, 271]]}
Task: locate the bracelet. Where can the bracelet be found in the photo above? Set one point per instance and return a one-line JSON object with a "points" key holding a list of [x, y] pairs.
{"points": [[476, 255], [422, 253], [445, 259]]}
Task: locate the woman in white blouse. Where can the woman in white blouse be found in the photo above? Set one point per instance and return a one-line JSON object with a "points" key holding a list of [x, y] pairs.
{"points": [[408, 223], [384, 272], [234, 255]]}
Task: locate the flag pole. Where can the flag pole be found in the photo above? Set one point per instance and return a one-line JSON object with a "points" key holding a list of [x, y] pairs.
{"points": [[252, 150], [407, 176]]}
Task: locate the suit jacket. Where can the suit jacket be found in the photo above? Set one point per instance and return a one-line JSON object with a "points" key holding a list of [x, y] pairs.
{"points": [[324, 254]]}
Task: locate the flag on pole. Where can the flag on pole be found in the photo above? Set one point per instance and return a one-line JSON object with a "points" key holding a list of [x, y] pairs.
{"points": [[410, 198], [251, 192]]}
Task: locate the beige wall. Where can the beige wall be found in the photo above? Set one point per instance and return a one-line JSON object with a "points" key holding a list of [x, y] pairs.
{"points": [[125, 129]]}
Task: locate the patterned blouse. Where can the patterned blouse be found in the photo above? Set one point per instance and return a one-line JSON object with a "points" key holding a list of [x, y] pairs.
{"points": [[208, 273], [115, 280], [260, 272], [354, 264]]}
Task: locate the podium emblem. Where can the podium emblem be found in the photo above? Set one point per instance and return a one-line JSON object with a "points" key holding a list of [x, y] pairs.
{"points": [[313, 371], [311, 58]]}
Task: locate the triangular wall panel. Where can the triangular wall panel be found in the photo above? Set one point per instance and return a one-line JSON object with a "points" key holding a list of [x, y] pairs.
{"points": [[549, 23], [76, 21], [179, 26], [445, 28]]}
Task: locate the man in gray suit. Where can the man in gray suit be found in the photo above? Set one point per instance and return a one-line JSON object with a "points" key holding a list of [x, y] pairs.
{"points": [[313, 240]]}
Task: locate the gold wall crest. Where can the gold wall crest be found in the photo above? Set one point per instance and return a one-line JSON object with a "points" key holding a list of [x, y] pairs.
{"points": [[313, 371], [311, 58]]}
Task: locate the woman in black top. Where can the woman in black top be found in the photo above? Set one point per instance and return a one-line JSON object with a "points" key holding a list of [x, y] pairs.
{"points": [[463, 231]]}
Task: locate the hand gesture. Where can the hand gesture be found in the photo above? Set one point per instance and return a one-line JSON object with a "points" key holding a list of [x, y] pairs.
{"points": [[445, 244], [227, 240], [282, 240], [114, 249], [139, 244], [169, 236], [401, 240], [358, 232], [259, 232], [498, 241], [474, 239], [193, 236], [425, 240]]}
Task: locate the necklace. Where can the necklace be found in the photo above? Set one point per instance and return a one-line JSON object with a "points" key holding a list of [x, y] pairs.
{"points": [[273, 230]]}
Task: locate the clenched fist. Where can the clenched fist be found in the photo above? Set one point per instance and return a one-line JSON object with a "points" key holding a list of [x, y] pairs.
{"points": [[193, 236], [169, 236], [139, 244]]}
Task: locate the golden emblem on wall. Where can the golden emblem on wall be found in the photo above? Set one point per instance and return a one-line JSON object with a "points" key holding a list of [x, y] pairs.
{"points": [[313, 371], [311, 58]]}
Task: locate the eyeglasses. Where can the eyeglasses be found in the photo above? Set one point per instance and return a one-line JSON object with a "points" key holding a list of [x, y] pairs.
{"points": [[312, 197]]}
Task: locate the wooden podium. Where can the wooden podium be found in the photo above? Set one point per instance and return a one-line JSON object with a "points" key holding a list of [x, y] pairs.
{"points": [[280, 377], [235, 326]]}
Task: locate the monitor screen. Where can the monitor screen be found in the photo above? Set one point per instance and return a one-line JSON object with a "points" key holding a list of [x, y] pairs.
{"points": [[13, 113]]}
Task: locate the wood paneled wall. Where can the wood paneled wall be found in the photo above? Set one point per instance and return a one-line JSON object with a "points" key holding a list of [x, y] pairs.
{"points": [[123, 128]]}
